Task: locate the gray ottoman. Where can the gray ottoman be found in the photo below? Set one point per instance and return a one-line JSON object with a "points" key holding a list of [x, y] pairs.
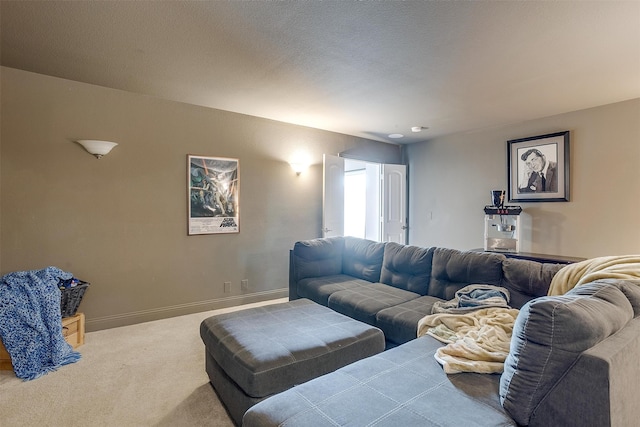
{"points": [[255, 353]]}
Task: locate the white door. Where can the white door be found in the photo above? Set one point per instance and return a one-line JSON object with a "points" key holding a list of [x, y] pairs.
{"points": [[394, 203], [333, 196]]}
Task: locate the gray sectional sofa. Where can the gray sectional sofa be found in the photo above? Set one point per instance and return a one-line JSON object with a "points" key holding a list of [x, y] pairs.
{"points": [[574, 359], [393, 286]]}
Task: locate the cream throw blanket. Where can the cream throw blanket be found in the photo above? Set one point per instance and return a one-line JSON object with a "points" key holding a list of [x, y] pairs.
{"points": [[477, 341], [626, 267]]}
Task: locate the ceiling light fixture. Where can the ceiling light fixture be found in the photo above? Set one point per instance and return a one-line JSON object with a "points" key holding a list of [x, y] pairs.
{"points": [[396, 135], [418, 128]]}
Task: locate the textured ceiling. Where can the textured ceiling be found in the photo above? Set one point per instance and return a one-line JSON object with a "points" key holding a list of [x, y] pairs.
{"points": [[366, 68]]}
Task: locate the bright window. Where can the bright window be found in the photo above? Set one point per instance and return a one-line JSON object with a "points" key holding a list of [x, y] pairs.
{"points": [[355, 193]]}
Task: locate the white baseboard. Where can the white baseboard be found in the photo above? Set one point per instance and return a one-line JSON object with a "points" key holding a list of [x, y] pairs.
{"points": [[125, 319]]}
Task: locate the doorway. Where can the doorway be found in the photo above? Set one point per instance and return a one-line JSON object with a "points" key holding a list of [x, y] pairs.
{"points": [[364, 199]]}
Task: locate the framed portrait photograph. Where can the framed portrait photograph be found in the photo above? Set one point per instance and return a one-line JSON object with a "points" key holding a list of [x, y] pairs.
{"points": [[214, 191], [538, 168]]}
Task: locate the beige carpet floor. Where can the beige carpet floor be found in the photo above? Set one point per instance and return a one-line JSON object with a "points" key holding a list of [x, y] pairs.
{"points": [[150, 374]]}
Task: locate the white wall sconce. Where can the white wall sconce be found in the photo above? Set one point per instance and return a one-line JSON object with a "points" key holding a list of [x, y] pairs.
{"points": [[298, 167], [299, 162], [96, 147]]}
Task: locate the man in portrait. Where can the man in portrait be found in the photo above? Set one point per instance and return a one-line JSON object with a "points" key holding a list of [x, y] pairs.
{"points": [[540, 175]]}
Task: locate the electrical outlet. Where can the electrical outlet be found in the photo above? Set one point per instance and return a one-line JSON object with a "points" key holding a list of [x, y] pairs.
{"points": [[244, 284], [227, 287]]}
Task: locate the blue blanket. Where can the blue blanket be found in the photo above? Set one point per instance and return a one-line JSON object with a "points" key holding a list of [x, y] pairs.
{"points": [[30, 322]]}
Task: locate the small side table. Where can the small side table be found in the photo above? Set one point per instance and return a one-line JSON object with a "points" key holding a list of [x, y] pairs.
{"points": [[72, 330]]}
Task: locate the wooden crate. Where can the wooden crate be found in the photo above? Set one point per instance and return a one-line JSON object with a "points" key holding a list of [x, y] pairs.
{"points": [[72, 330], [5, 359]]}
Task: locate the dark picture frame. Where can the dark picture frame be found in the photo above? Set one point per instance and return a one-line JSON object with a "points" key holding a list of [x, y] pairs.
{"points": [[538, 168], [214, 195]]}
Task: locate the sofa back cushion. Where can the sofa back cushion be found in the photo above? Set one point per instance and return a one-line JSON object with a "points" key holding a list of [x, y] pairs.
{"points": [[527, 279], [317, 257], [630, 289], [406, 267], [549, 335], [452, 270], [362, 258]]}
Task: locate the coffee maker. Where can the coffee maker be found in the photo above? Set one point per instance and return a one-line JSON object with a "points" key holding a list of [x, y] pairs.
{"points": [[501, 225]]}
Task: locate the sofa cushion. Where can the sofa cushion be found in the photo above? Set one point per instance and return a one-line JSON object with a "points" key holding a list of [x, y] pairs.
{"points": [[452, 270], [631, 289], [403, 386], [270, 348], [549, 335], [400, 322], [364, 302], [319, 289], [527, 279], [362, 258], [406, 267], [318, 257]]}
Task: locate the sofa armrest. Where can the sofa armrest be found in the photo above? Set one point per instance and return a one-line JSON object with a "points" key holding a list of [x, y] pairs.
{"points": [[600, 389], [563, 359]]}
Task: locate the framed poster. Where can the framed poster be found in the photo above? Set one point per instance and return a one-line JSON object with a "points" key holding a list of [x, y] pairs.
{"points": [[538, 168], [214, 191]]}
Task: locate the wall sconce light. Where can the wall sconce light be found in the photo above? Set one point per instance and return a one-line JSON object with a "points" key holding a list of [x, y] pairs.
{"points": [[298, 167], [299, 161], [97, 148]]}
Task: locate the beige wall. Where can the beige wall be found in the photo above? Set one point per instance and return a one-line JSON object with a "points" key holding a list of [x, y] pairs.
{"points": [[121, 222], [450, 180]]}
